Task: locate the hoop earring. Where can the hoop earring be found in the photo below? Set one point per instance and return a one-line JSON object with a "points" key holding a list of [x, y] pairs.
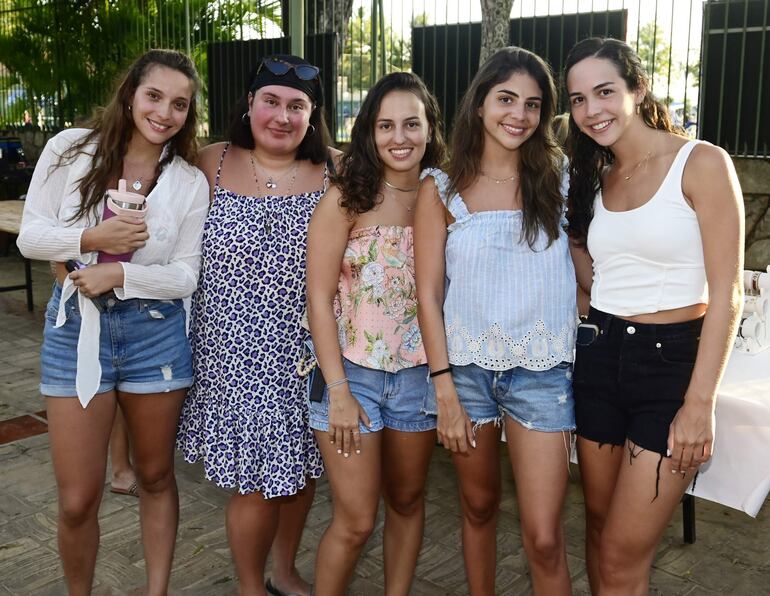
{"points": [[310, 130], [245, 119]]}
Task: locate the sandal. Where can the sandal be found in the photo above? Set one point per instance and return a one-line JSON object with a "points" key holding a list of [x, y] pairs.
{"points": [[131, 491], [271, 589]]}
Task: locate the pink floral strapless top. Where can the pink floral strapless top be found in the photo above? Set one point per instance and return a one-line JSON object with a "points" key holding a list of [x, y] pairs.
{"points": [[378, 322]]}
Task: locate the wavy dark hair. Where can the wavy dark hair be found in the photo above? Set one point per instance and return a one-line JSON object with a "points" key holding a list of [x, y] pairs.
{"points": [[361, 170], [315, 145], [539, 169], [586, 157], [112, 127]]}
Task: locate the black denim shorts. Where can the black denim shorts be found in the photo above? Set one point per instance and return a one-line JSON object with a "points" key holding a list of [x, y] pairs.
{"points": [[630, 381]]}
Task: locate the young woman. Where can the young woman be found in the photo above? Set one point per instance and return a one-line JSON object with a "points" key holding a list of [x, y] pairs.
{"points": [[360, 256], [121, 339], [496, 295], [246, 416], [661, 218]]}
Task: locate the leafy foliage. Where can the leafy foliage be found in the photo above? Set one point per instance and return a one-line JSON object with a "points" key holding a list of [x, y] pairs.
{"points": [[61, 58]]}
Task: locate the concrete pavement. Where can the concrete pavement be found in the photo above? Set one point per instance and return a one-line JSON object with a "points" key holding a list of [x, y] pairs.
{"points": [[731, 555]]}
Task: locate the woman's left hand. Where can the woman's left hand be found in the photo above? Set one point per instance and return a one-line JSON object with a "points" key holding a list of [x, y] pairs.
{"points": [[97, 279], [691, 436]]}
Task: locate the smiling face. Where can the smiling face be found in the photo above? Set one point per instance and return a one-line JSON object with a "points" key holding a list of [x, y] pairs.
{"points": [[280, 117], [401, 132], [160, 104], [511, 111], [601, 103]]}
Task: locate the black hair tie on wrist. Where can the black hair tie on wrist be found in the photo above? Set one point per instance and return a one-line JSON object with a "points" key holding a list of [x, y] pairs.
{"points": [[440, 372]]}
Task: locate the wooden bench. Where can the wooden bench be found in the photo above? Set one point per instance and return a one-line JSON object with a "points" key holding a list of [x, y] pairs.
{"points": [[10, 222]]}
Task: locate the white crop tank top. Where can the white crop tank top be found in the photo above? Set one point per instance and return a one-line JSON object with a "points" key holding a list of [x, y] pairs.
{"points": [[650, 258]]}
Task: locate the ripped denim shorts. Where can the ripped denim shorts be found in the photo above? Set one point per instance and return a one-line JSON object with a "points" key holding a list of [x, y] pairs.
{"points": [[143, 346], [537, 399]]}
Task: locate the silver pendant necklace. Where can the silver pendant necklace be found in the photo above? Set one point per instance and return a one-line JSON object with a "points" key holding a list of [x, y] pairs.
{"points": [[270, 182], [137, 185]]}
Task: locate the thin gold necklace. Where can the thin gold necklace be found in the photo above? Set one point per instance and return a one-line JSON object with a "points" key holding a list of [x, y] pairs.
{"points": [[637, 166], [499, 180], [389, 185], [395, 198]]}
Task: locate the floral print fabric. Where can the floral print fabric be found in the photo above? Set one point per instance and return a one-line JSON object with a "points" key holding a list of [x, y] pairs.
{"points": [[378, 322]]}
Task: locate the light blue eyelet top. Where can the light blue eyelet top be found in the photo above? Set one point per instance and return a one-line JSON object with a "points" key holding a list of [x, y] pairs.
{"points": [[506, 304]]}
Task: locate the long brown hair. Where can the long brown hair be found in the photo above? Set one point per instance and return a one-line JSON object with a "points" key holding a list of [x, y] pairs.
{"points": [[112, 127], [539, 170], [361, 171], [586, 157]]}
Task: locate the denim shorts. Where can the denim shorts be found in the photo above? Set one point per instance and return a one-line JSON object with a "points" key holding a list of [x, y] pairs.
{"points": [[538, 400], [393, 400], [631, 380], [143, 347]]}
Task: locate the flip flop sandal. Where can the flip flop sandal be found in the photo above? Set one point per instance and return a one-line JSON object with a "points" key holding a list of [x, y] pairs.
{"points": [[131, 491], [271, 589]]}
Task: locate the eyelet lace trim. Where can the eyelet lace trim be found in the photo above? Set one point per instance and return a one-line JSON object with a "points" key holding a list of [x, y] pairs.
{"points": [[538, 349]]}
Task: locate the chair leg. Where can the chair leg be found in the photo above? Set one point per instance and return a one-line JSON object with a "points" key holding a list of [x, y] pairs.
{"points": [[688, 518], [28, 283]]}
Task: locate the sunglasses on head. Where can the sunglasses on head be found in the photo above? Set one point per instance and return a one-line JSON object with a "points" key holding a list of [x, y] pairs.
{"points": [[304, 72]]}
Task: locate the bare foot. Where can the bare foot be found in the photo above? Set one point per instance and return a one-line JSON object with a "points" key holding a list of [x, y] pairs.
{"points": [[124, 484]]}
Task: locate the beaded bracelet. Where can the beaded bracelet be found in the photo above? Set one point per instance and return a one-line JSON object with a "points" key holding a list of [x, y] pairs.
{"points": [[440, 372], [337, 383]]}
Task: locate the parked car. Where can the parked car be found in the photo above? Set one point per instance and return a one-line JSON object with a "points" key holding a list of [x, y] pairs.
{"points": [[15, 172]]}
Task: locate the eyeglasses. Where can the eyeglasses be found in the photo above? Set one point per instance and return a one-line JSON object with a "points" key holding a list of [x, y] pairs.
{"points": [[304, 72]]}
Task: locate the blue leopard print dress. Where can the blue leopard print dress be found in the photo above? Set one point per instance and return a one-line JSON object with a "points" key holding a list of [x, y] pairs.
{"points": [[246, 416]]}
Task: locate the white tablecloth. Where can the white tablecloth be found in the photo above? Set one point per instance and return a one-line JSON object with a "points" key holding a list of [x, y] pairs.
{"points": [[738, 474]]}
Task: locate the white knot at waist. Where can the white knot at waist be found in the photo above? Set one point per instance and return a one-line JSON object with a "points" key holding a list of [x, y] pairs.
{"points": [[89, 369]]}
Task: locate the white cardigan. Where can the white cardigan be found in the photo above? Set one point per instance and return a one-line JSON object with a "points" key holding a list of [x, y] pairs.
{"points": [[165, 268]]}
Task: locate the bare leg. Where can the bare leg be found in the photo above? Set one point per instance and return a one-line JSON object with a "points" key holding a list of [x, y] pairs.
{"points": [[636, 521], [540, 463], [355, 484], [79, 440], [291, 523], [599, 468], [151, 420], [123, 477], [251, 522], [405, 460], [479, 476]]}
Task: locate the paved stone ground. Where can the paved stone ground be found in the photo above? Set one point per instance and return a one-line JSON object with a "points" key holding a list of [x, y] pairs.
{"points": [[731, 555]]}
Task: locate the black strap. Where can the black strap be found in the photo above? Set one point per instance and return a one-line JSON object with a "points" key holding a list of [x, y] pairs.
{"points": [[332, 169]]}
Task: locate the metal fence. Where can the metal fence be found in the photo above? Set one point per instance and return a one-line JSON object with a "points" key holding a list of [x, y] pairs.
{"points": [[58, 59]]}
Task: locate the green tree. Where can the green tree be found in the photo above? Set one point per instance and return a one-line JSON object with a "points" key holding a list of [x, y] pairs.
{"points": [[65, 56], [655, 53], [357, 54]]}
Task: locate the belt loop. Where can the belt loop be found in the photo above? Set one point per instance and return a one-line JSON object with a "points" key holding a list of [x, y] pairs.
{"points": [[609, 323]]}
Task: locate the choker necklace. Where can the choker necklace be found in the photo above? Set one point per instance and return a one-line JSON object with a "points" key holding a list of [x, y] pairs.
{"points": [[499, 180], [389, 185], [637, 166]]}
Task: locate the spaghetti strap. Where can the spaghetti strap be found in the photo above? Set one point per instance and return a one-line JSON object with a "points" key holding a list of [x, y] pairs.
{"points": [[326, 177], [219, 167]]}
